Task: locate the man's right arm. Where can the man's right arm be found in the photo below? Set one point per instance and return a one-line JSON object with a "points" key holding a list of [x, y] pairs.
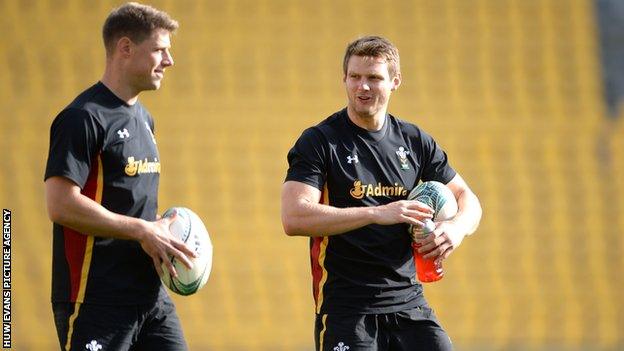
{"points": [[303, 215], [68, 207]]}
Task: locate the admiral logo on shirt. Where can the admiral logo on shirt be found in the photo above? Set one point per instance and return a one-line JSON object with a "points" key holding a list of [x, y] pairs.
{"points": [[141, 166], [360, 190]]}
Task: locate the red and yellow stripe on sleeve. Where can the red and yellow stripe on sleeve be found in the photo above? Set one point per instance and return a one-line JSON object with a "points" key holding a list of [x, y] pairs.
{"points": [[79, 247], [317, 255]]}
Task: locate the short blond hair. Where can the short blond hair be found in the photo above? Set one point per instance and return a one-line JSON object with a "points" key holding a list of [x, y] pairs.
{"points": [[135, 21], [374, 46]]}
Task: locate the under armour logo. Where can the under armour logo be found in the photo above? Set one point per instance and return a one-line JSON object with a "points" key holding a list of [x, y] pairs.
{"points": [[123, 133], [352, 159], [93, 345], [341, 347]]}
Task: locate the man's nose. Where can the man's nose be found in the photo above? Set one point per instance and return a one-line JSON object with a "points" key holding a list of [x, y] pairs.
{"points": [[167, 59], [364, 85]]}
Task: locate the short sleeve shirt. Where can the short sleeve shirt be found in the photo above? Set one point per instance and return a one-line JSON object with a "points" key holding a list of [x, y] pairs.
{"points": [[369, 269], [108, 149]]}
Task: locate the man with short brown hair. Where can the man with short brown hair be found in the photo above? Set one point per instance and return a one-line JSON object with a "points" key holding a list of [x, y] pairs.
{"points": [[101, 185], [346, 189]]}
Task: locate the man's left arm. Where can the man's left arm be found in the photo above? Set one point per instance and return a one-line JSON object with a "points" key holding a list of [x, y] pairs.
{"points": [[448, 235]]}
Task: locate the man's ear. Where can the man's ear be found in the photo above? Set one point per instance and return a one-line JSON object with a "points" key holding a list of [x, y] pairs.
{"points": [[124, 46], [396, 82]]}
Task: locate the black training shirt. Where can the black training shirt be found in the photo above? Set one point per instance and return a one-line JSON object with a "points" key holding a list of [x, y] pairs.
{"points": [[106, 147], [370, 269]]}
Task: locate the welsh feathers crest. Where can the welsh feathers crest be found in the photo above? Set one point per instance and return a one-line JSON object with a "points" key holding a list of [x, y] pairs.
{"points": [[93, 346]]}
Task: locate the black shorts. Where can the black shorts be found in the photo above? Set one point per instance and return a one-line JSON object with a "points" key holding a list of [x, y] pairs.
{"points": [[412, 330], [152, 326]]}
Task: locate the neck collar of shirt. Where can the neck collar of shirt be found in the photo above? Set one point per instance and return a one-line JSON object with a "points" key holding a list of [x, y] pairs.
{"points": [[116, 98], [374, 136]]}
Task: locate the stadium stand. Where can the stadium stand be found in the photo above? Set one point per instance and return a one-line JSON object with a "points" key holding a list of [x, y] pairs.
{"points": [[511, 89]]}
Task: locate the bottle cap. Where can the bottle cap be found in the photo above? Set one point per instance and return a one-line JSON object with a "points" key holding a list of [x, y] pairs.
{"points": [[428, 227]]}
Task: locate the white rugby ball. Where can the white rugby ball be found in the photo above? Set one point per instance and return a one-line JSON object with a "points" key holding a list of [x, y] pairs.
{"points": [[189, 228], [437, 196]]}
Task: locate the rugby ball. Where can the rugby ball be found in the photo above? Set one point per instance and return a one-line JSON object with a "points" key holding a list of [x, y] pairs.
{"points": [[437, 196], [189, 228]]}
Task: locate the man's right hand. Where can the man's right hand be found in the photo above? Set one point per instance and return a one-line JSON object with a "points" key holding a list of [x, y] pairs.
{"points": [[403, 211], [158, 242], [68, 207]]}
